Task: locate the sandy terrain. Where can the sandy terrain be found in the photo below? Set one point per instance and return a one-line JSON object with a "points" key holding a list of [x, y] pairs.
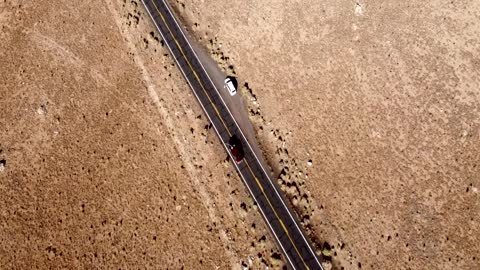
{"points": [[104, 150], [368, 113]]}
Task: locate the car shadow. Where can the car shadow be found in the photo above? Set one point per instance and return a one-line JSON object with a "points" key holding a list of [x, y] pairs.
{"points": [[234, 81]]}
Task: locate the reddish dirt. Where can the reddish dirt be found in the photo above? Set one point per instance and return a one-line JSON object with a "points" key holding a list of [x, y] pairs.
{"points": [[367, 112], [105, 156]]}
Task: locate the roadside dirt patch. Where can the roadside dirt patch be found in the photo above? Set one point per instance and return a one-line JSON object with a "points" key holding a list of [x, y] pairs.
{"points": [[372, 111], [106, 157], [368, 114]]}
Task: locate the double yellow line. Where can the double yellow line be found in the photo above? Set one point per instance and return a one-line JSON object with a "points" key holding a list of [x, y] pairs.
{"points": [[227, 129]]}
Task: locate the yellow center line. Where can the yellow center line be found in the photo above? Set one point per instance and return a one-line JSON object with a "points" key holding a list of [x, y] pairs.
{"points": [[191, 68], [229, 133], [276, 214]]}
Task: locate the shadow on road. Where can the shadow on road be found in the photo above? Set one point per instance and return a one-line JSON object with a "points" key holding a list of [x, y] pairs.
{"points": [[234, 103]]}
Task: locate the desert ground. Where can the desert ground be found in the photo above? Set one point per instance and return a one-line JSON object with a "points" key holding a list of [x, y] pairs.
{"points": [[367, 112]]}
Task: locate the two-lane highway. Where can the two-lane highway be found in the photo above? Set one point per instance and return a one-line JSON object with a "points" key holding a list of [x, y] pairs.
{"points": [[278, 216]]}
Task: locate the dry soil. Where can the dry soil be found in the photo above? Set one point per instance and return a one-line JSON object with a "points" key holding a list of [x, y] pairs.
{"points": [[368, 113], [106, 158]]}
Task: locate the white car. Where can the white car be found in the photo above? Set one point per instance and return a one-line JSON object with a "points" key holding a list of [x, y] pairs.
{"points": [[230, 87]]}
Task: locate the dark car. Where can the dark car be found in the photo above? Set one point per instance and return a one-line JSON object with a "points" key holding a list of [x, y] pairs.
{"points": [[236, 149]]}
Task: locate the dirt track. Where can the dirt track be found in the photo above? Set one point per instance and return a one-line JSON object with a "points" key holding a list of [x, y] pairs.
{"points": [[368, 112]]}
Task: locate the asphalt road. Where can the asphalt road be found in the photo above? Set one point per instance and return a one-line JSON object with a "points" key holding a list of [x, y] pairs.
{"points": [[277, 214]]}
